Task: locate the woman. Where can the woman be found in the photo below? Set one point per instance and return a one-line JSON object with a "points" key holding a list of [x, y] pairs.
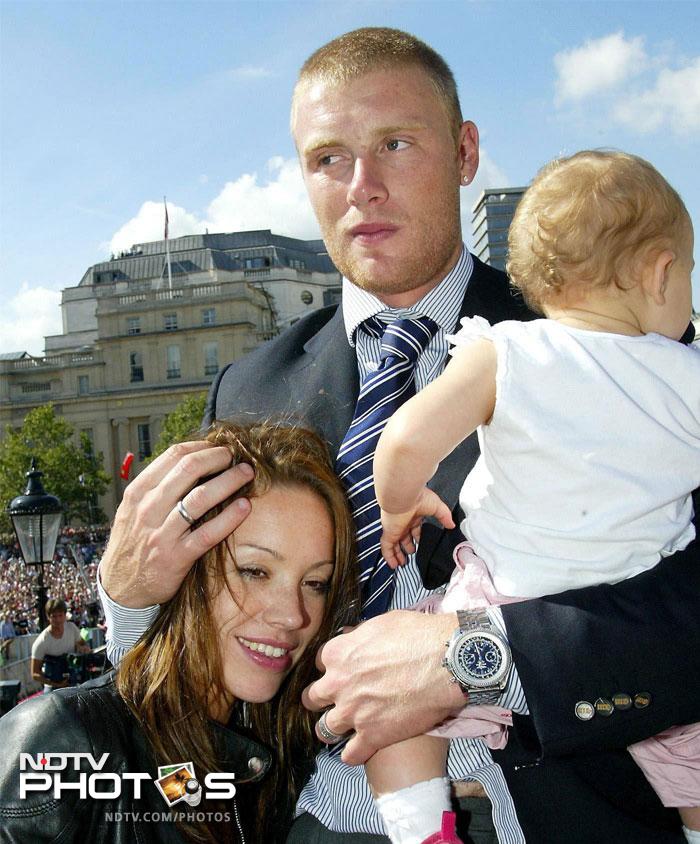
{"points": [[235, 646]]}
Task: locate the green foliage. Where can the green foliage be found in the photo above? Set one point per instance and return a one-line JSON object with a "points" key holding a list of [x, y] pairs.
{"points": [[51, 440], [184, 423]]}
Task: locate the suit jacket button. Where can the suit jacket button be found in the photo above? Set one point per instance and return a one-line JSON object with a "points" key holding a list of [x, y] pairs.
{"points": [[642, 700], [584, 710], [604, 707], [622, 701]]}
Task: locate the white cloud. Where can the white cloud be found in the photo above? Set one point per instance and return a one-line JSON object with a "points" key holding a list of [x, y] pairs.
{"points": [[489, 175], [597, 66], [673, 102], [278, 203], [28, 317], [149, 224]]}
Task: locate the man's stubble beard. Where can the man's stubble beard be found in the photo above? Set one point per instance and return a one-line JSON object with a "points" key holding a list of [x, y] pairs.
{"points": [[413, 269]]}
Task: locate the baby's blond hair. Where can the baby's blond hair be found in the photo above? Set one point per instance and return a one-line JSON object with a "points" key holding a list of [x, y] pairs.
{"points": [[590, 220]]}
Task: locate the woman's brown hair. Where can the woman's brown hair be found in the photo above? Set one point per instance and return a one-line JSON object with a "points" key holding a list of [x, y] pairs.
{"points": [[170, 678]]}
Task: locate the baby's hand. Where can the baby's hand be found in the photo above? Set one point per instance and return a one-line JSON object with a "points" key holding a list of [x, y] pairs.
{"points": [[401, 531]]}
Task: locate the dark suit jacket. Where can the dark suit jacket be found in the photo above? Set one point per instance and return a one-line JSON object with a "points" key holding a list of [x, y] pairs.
{"points": [[642, 635]]}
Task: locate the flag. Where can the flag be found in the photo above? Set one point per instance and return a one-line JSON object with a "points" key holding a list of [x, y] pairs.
{"points": [[126, 466], [166, 218]]}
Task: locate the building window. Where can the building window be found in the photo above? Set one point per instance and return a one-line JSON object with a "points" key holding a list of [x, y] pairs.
{"points": [[256, 263], [136, 365], [144, 441], [83, 385], [173, 362], [170, 322], [133, 325], [209, 316], [307, 297], [211, 358], [37, 387]]}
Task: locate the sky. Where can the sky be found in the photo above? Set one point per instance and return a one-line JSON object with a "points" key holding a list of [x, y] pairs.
{"points": [[107, 106]]}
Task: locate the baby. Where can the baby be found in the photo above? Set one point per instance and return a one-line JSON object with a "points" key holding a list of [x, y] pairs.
{"points": [[589, 428]]}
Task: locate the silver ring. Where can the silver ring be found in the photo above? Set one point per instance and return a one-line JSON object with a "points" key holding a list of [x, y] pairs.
{"points": [[182, 510], [327, 735]]}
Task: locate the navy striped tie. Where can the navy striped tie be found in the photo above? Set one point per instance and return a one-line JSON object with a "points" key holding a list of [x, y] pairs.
{"points": [[382, 392]]}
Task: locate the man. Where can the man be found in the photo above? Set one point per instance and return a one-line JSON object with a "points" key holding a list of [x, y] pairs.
{"points": [[61, 637], [384, 150], [7, 634]]}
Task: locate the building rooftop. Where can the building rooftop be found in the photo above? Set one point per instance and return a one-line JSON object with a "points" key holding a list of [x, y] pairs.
{"points": [[202, 252], [13, 355]]}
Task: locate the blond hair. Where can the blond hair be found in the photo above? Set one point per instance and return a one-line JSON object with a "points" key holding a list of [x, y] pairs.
{"points": [[379, 48], [170, 677], [589, 220]]}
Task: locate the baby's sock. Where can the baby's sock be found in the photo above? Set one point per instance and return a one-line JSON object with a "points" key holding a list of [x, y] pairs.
{"points": [[413, 814], [692, 835]]}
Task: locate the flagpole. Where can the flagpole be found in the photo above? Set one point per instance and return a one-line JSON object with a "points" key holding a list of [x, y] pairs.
{"points": [[167, 249]]}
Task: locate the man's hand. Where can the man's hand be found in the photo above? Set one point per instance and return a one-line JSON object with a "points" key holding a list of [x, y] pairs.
{"points": [[401, 531], [385, 681], [151, 546]]}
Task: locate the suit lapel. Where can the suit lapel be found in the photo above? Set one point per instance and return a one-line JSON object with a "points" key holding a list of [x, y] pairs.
{"points": [[326, 382]]}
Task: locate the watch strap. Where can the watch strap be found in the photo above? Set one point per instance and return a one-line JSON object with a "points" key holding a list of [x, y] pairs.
{"points": [[473, 620], [480, 697]]}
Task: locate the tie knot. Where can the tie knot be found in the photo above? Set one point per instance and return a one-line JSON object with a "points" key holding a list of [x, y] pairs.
{"points": [[406, 337]]}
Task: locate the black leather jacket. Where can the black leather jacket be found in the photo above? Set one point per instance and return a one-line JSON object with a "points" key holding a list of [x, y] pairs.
{"points": [[92, 718]]}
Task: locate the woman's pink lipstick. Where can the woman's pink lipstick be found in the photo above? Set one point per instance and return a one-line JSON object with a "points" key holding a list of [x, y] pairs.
{"points": [[264, 660]]}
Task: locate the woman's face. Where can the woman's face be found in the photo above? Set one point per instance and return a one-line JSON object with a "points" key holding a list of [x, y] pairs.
{"points": [[284, 553]]}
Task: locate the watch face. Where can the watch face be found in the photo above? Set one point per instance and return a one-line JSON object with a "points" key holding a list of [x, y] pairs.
{"points": [[479, 659]]}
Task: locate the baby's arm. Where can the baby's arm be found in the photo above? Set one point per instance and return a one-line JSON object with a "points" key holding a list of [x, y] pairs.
{"points": [[423, 432]]}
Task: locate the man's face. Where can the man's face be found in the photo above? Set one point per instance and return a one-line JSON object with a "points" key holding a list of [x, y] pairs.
{"points": [[57, 620], [383, 170]]}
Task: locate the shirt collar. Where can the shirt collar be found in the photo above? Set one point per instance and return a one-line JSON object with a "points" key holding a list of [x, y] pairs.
{"points": [[442, 304]]}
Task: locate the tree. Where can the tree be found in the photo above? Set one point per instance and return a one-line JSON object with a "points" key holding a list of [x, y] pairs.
{"points": [[184, 423], [72, 472]]}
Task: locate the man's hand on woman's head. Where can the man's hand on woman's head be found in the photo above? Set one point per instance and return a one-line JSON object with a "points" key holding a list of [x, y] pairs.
{"points": [[384, 680], [152, 546]]}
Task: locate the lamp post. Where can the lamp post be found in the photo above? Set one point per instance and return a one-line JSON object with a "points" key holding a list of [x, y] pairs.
{"points": [[36, 518]]}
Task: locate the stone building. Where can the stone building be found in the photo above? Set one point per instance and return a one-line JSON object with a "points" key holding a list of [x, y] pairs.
{"points": [[137, 339]]}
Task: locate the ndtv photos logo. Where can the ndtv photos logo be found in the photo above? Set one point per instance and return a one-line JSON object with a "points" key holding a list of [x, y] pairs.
{"points": [[56, 773]]}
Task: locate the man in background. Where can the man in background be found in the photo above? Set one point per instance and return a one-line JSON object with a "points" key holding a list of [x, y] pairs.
{"points": [[60, 638]]}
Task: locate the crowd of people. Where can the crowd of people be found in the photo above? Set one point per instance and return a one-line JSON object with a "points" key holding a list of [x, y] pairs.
{"points": [[71, 575]]}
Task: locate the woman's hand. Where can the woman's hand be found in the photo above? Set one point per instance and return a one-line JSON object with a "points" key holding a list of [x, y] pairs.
{"points": [[152, 547], [401, 531]]}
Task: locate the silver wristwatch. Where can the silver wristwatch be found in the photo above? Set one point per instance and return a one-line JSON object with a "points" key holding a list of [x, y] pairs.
{"points": [[478, 657]]}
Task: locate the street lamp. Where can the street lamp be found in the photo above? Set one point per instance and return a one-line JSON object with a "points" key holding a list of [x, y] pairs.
{"points": [[36, 518]]}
